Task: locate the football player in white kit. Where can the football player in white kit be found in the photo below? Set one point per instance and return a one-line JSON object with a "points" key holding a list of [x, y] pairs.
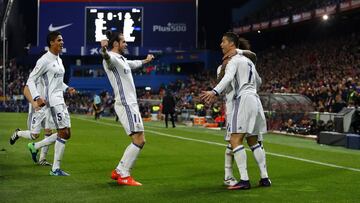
{"points": [[51, 69], [38, 118], [247, 120], [229, 179], [118, 70]]}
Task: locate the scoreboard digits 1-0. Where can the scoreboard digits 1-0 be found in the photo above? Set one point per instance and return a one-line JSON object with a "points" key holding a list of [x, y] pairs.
{"points": [[126, 20]]}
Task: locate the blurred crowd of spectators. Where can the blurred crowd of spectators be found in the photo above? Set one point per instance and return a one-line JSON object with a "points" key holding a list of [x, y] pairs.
{"points": [[15, 77], [326, 71], [285, 8]]}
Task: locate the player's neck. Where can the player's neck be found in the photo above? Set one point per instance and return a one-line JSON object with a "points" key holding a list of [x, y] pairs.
{"points": [[116, 51], [54, 52], [230, 53], [231, 50]]}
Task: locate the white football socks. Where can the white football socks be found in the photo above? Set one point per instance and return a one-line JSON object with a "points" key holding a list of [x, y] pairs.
{"points": [[229, 159], [240, 158], [25, 134], [48, 140], [128, 160], [44, 145], [59, 152], [259, 155]]}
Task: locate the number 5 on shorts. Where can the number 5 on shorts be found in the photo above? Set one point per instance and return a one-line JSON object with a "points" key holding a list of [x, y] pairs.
{"points": [[58, 115]]}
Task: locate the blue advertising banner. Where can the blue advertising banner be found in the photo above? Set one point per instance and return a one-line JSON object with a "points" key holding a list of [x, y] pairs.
{"points": [[155, 26]]}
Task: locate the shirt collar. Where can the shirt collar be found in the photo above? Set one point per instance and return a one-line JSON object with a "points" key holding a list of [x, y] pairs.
{"points": [[118, 55], [53, 56]]}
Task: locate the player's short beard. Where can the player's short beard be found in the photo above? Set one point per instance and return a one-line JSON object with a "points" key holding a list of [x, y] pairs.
{"points": [[122, 51]]}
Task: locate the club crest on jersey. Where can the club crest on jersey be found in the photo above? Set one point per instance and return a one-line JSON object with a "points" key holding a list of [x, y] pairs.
{"points": [[126, 71], [58, 75]]}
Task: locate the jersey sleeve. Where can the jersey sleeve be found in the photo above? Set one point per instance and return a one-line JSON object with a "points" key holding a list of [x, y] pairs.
{"points": [[239, 51], [40, 69], [64, 87], [109, 59], [228, 77], [218, 71], [134, 63]]}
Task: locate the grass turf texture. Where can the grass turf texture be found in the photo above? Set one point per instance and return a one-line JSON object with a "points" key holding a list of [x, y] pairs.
{"points": [[176, 165]]}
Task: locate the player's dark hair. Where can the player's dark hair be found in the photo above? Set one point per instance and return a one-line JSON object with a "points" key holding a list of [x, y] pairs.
{"points": [[113, 37], [232, 37], [244, 44], [52, 36]]}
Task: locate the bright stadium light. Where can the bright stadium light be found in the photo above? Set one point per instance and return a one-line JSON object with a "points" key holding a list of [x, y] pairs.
{"points": [[259, 31], [147, 88], [325, 17]]}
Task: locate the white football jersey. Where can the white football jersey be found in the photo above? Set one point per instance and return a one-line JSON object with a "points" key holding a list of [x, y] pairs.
{"points": [[118, 70], [240, 78], [51, 70]]}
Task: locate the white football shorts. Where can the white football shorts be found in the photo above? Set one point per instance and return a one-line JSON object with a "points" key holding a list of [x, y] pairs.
{"points": [[130, 117], [245, 115], [60, 116], [40, 119]]}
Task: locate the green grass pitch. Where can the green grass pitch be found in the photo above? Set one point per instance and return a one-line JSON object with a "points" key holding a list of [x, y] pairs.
{"points": [[176, 165]]}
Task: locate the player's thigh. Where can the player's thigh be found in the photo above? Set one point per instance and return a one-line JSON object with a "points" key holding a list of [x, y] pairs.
{"points": [[61, 116], [252, 140], [237, 139], [130, 118]]}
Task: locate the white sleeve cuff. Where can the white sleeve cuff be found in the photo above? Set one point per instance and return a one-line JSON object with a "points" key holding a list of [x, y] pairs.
{"points": [[239, 51]]}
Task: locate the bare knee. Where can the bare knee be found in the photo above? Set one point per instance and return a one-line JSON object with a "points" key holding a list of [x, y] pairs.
{"points": [[34, 136], [138, 139], [236, 139], [64, 133], [252, 140], [48, 131]]}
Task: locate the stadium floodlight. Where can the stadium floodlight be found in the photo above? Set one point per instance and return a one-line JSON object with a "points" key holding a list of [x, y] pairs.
{"points": [[325, 17], [259, 31], [147, 88]]}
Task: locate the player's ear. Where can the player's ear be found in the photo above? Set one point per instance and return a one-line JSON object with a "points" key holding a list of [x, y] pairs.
{"points": [[115, 44]]}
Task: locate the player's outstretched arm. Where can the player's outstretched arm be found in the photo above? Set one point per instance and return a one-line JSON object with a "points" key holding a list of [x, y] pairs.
{"points": [[208, 96], [138, 63], [104, 44], [148, 59], [230, 71], [248, 54]]}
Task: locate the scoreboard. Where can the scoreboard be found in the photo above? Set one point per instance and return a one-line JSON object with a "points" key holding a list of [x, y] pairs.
{"points": [[126, 20], [147, 25]]}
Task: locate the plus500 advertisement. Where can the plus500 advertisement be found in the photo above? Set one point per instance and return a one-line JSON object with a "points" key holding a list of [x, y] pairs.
{"points": [[158, 25]]}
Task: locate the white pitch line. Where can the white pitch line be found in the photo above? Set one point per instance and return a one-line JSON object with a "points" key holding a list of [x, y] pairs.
{"points": [[221, 144]]}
